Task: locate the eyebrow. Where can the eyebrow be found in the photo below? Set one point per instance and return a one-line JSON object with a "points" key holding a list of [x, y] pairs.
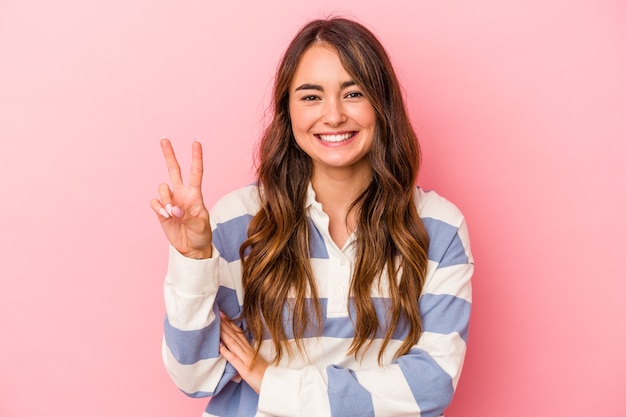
{"points": [[317, 87]]}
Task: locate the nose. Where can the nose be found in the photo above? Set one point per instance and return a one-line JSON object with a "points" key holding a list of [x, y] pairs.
{"points": [[334, 112]]}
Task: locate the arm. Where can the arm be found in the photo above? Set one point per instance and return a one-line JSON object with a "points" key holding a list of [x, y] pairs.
{"points": [[192, 324], [192, 288]]}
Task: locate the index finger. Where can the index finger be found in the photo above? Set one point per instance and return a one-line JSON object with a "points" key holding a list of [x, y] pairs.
{"points": [[172, 163], [195, 177]]}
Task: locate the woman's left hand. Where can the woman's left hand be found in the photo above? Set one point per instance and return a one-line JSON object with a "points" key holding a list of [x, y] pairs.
{"points": [[236, 349]]}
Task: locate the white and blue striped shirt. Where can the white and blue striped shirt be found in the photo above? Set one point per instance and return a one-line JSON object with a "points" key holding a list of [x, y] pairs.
{"points": [[326, 382]]}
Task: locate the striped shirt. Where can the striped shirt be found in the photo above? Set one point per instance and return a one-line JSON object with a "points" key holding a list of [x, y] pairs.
{"points": [[327, 382]]}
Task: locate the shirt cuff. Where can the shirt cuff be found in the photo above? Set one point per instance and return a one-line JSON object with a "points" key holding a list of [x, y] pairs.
{"points": [[280, 392], [294, 392], [192, 276]]}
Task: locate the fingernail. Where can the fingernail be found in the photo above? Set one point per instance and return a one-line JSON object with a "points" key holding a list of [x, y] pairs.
{"points": [[163, 213], [168, 207], [176, 211]]}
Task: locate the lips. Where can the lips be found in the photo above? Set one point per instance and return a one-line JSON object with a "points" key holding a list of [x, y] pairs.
{"points": [[335, 138]]}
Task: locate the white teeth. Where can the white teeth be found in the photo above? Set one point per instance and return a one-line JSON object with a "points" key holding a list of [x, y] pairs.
{"points": [[335, 138]]}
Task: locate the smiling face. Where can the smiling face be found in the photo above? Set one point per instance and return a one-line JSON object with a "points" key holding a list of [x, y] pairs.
{"points": [[332, 121]]}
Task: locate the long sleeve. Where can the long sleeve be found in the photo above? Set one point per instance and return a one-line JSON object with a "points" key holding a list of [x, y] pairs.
{"points": [[191, 330]]}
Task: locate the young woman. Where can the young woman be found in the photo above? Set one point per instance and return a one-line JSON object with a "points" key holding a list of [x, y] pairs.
{"points": [[333, 286]]}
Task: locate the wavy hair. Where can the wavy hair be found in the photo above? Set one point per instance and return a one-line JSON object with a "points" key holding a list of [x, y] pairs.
{"points": [[391, 238]]}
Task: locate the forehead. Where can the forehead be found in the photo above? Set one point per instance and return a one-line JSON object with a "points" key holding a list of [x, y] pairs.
{"points": [[320, 64]]}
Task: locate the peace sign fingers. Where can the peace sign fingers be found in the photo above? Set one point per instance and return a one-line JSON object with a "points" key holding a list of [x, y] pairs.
{"points": [[181, 209]]}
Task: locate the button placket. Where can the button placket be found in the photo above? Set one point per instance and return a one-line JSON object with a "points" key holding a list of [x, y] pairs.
{"points": [[338, 299]]}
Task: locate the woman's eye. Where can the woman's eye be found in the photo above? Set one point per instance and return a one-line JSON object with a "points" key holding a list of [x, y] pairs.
{"points": [[354, 94], [310, 98]]}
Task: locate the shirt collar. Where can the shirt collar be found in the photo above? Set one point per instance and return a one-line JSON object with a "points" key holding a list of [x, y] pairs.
{"points": [[310, 197]]}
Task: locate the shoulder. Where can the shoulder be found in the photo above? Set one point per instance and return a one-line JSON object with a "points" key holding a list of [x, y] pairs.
{"points": [[431, 205], [446, 227], [230, 217], [243, 201]]}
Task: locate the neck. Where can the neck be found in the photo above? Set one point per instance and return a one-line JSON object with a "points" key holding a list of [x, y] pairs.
{"points": [[336, 191], [339, 188]]}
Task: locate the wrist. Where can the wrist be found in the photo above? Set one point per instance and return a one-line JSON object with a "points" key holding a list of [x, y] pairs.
{"points": [[199, 254]]}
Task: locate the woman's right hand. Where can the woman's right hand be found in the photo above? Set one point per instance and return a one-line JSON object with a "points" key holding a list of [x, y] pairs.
{"points": [[180, 209]]}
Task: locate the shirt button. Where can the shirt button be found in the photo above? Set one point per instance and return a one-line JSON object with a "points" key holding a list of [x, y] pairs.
{"points": [[342, 262], [340, 290]]}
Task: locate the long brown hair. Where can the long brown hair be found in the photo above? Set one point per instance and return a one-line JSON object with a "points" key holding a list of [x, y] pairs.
{"points": [[391, 238]]}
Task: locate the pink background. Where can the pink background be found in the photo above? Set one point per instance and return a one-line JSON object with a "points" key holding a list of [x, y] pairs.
{"points": [[520, 107]]}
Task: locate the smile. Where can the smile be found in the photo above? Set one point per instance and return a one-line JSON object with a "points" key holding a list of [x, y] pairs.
{"points": [[335, 138]]}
